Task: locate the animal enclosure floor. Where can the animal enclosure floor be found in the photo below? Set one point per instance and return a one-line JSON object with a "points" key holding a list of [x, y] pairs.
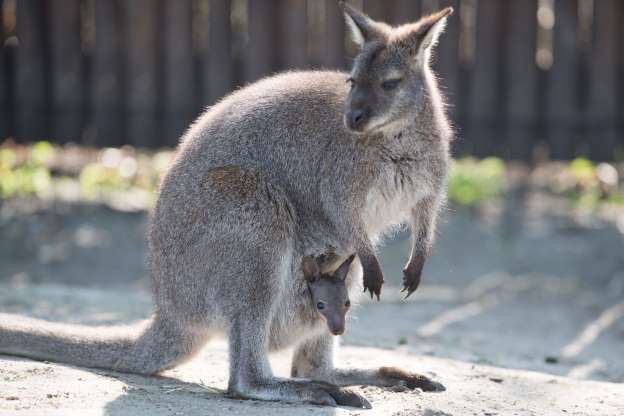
{"points": [[38, 389], [526, 319]]}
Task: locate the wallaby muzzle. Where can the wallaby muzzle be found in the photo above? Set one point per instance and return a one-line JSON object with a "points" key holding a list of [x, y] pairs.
{"points": [[336, 325], [357, 119]]}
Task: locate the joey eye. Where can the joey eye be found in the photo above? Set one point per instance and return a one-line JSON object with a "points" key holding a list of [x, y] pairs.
{"points": [[351, 82], [390, 84], [347, 303], [320, 306]]}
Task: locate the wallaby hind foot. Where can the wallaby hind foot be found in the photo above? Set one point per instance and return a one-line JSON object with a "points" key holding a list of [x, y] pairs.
{"points": [[314, 360]]}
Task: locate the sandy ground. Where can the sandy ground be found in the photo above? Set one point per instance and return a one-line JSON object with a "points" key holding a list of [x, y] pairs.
{"points": [[520, 319]]}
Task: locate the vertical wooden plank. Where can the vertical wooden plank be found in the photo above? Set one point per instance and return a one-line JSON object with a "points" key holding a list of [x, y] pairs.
{"points": [[446, 60], [108, 74], [8, 57], [66, 70], [562, 96], [334, 52], [32, 61], [406, 11], [260, 51], [219, 64], [140, 19], [484, 126], [602, 105], [292, 39], [430, 6], [521, 79], [620, 145], [179, 74], [379, 10], [4, 108]]}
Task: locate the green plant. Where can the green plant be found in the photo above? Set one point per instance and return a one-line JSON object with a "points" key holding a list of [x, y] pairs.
{"points": [[473, 182]]}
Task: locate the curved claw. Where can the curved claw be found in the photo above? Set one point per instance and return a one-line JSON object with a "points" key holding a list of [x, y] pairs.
{"points": [[412, 275], [412, 380], [346, 397], [373, 280]]}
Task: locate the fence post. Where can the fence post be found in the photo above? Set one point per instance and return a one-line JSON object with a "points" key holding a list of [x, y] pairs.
{"points": [[180, 96], [293, 37], [4, 105], [109, 77], [66, 70], [602, 105], [563, 110], [32, 64], [260, 51], [218, 59], [521, 79], [140, 19], [406, 11], [334, 52], [620, 145], [484, 126]]}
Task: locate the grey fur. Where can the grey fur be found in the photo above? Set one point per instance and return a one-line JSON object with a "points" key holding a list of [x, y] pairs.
{"points": [[270, 173]]}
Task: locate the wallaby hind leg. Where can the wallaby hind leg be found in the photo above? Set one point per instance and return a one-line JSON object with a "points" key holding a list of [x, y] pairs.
{"points": [[314, 360], [250, 372]]}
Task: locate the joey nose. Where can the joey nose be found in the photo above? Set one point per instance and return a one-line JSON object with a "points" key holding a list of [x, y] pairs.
{"points": [[356, 119]]}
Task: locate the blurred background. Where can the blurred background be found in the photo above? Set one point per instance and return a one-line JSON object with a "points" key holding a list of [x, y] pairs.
{"points": [[528, 269], [521, 77]]}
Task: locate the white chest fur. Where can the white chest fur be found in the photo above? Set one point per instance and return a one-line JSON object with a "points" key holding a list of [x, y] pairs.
{"points": [[391, 199]]}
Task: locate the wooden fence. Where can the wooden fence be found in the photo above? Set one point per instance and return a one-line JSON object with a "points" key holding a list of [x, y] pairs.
{"points": [[520, 75]]}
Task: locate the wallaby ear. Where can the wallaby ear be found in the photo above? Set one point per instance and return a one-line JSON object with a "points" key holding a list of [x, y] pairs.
{"points": [[311, 270], [433, 26], [363, 29], [342, 271], [425, 36]]}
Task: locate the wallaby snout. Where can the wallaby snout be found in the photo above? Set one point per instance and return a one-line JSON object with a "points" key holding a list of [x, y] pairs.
{"points": [[336, 324], [356, 119]]}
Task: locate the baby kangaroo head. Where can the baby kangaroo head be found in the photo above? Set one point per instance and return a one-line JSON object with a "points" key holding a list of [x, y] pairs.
{"points": [[387, 84], [329, 292]]}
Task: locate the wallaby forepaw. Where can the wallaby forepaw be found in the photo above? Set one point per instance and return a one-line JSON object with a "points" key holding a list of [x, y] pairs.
{"points": [[412, 275], [373, 279]]}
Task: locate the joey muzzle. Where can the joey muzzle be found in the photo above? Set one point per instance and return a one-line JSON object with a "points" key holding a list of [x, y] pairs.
{"points": [[335, 324]]}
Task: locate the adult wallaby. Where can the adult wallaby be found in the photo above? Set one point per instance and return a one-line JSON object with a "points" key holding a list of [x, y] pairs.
{"points": [[298, 163]]}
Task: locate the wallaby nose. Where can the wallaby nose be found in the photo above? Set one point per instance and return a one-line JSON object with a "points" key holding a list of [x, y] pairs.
{"points": [[336, 325], [337, 331], [356, 119]]}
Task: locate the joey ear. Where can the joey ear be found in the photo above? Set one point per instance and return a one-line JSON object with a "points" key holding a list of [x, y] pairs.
{"points": [[426, 34], [343, 270], [311, 270], [363, 29]]}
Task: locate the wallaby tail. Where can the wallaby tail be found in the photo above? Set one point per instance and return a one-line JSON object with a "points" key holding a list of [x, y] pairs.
{"points": [[146, 348]]}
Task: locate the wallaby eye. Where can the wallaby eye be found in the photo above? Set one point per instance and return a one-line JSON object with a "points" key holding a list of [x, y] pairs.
{"points": [[320, 306], [347, 303], [351, 82], [390, 84]]}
